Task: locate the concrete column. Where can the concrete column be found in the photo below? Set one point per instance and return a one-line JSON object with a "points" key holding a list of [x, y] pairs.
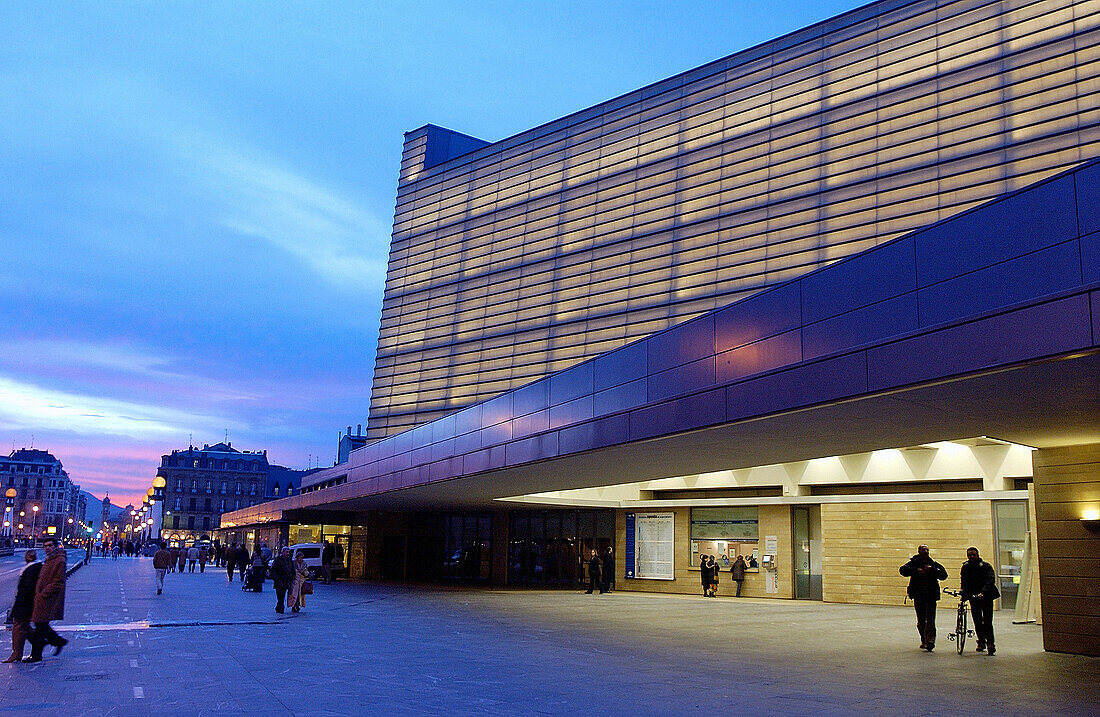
{"points": [[1067, 485], [500, 547]]}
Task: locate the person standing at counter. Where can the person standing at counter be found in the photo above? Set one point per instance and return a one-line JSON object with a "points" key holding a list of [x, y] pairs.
{"points": [[712, 566], [737, 571]]}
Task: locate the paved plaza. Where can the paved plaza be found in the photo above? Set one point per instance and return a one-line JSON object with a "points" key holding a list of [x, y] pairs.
{"points": [[205, 647]]}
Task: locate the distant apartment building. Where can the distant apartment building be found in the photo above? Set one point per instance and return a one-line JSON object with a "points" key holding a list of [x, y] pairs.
{"points": [[41, 482], [202, 483]]}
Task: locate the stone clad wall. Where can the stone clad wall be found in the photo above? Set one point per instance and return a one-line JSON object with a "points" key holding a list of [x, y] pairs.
{"points": [[1067, 483], [864, 544]]}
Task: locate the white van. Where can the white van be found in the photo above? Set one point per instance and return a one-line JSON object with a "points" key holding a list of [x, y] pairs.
{"points": [[311, 553]]}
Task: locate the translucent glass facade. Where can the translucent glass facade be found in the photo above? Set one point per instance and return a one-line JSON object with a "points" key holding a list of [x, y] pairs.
{"points": [[527, 255]]}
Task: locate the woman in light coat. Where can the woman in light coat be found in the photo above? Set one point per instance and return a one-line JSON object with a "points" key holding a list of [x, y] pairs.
{"points": [[301, 574]]}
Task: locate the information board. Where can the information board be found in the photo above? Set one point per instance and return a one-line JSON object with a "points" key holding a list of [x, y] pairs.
{"points": [[629, 552], [654, 544]]}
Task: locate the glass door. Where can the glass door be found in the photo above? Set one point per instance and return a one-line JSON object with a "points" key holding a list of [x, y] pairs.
{"points": [[1009, 529], [807, 552]]}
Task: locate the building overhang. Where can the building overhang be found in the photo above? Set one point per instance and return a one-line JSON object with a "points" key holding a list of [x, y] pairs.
{"points": [[911, 342]]}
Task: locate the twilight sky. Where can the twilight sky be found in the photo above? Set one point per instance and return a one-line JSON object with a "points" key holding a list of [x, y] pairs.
{"points": [[196, 198]]}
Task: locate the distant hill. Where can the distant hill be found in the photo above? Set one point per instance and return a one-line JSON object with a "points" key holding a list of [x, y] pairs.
{"points": [[95, 508]]}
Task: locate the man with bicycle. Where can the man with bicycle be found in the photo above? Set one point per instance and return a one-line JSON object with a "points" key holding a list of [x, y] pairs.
{"points": [[979, 585], [924, 575]]}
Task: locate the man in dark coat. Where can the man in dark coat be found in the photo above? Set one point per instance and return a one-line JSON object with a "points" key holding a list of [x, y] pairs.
{"points": [[328, 554], [243, 560], [607, 570], [738, 572], [230, 560], [161, 562], [979, 584], [924, 575], [49, 601], [23, 605], [282, 575], [595, 567]]}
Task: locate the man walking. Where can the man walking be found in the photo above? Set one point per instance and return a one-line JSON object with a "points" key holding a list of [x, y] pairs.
{"points": [[230, 560], [979, 584], [23, 605], [192, 558], [282, 574], [204, 555], [162, 559], [243, 559], [49, 602], [924, 575]]}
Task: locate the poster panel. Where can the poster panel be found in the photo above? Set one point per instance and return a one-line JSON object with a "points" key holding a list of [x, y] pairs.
{"points": [[654, 545]]}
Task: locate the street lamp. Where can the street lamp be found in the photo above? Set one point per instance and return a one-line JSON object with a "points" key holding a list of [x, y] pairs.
{"points": [[9, 507], [34, 519]]}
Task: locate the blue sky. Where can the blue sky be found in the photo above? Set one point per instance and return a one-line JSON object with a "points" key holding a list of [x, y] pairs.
{"points": [[196, 198]]}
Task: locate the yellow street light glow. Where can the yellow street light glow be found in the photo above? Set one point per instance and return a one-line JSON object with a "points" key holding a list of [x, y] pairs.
{"points": [[1091, 514]]}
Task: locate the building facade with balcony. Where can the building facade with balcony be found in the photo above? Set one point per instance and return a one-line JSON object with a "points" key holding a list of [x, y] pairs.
{"points": [[41, 482], [202, 483]]}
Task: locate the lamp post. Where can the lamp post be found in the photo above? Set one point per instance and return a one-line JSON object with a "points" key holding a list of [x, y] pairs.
{"points": [[159, 484], [9, 508], [150, 501], [34, 520]]}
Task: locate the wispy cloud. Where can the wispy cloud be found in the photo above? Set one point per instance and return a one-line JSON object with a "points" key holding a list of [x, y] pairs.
{"points": [[115, 364], [328, 233], [26, 407]]}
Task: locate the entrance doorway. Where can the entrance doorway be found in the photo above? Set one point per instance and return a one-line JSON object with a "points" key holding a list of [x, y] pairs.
{"points": [[1009, 529], [807, 552], [393, 557]]}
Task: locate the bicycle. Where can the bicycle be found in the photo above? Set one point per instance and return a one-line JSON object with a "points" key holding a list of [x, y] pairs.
{"points": [[961, 631]]}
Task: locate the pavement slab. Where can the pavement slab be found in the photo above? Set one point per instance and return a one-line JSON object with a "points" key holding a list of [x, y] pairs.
{"points": [[205, 647]]}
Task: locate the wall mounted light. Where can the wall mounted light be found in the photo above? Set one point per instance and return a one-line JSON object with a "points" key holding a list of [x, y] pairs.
{"points": [[1091, 520]]}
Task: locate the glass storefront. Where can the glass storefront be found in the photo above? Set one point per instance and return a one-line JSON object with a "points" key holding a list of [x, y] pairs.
{"points": [[549, 548], [338, 535], [467, 552]]}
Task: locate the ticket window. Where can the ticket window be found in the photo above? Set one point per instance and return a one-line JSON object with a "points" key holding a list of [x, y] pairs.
{"points": [[725, 532], [725, 552]]}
